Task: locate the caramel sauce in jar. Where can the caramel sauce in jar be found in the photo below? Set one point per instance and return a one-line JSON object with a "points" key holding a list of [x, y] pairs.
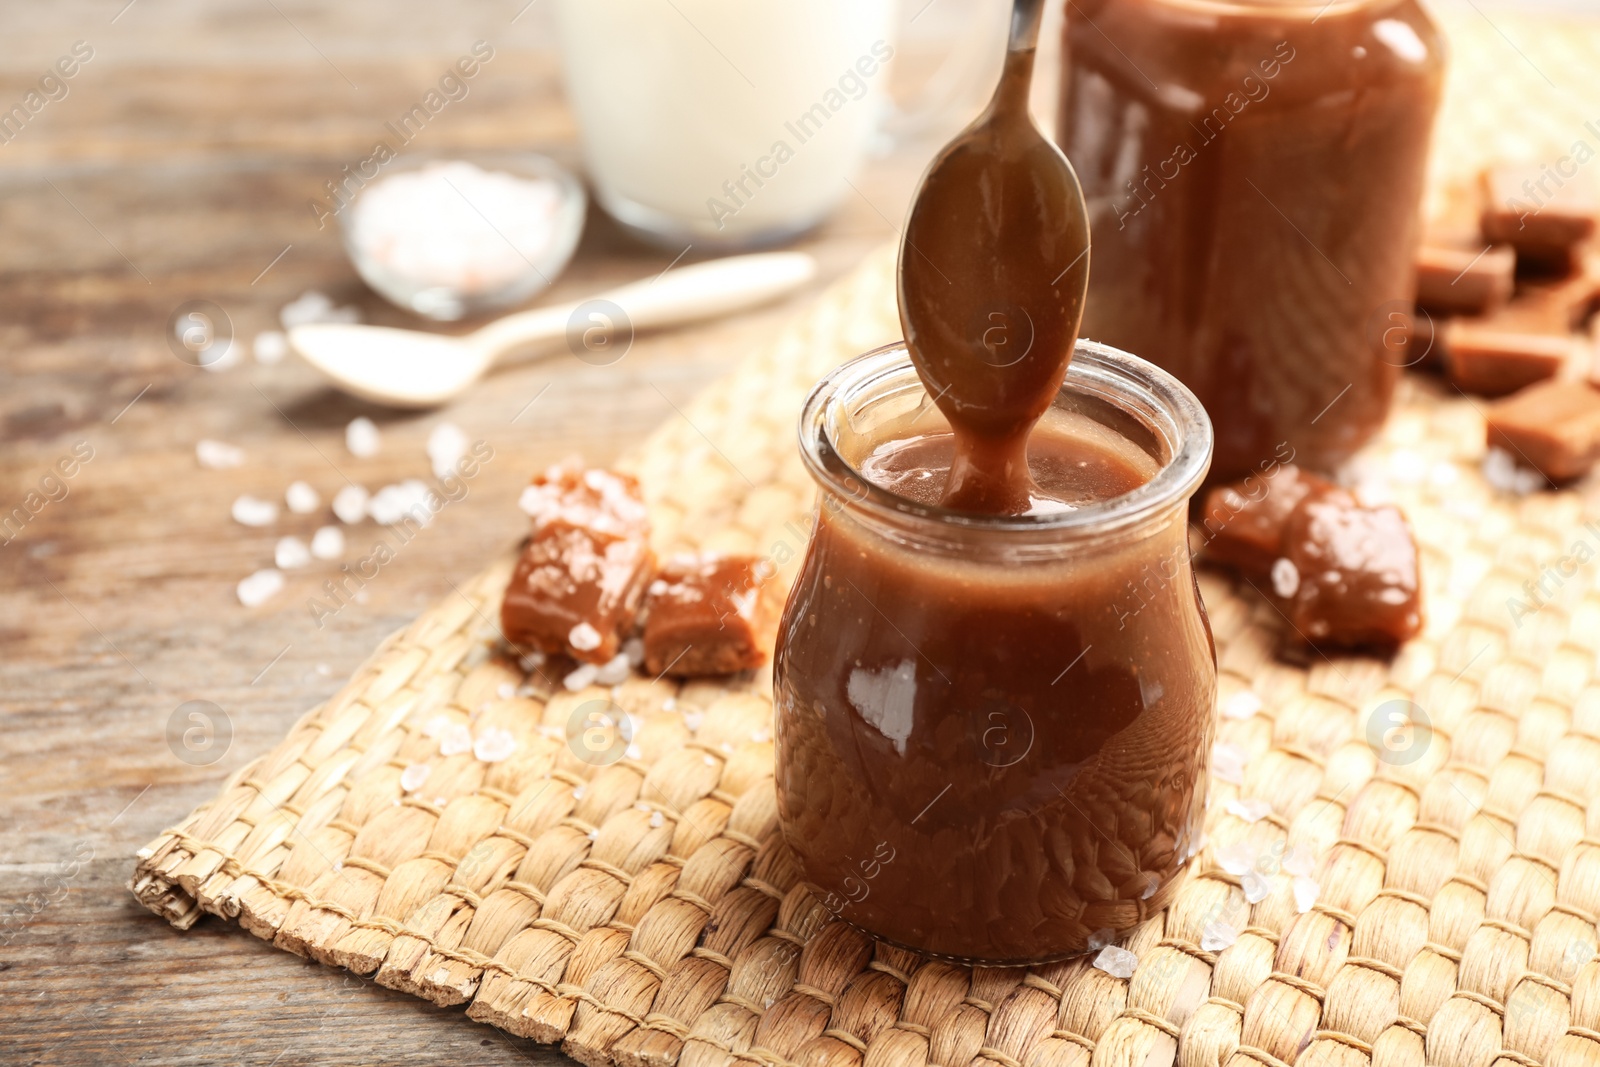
{"points": [[1253, 170], [994, 729]]}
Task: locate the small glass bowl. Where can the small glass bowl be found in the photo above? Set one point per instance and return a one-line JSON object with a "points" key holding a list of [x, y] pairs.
{"points": [[439, 299]]}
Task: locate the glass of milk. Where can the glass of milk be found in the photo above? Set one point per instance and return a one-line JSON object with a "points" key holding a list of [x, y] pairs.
{"points": [[725, 123]]}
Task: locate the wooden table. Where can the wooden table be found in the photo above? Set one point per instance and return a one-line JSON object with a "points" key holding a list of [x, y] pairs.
{"points": [[178, 167]]}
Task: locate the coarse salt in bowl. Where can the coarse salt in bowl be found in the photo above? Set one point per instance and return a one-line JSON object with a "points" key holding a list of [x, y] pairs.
{"points": [[451, 238]]}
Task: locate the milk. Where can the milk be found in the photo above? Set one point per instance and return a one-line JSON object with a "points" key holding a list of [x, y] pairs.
{"points": [[725, 123]]}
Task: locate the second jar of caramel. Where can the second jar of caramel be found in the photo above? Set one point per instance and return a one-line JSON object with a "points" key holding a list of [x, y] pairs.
{"points": [[1253, 170]]}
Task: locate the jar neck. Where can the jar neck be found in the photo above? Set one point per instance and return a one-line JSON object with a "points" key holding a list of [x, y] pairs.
{"points": [[859, 404]]}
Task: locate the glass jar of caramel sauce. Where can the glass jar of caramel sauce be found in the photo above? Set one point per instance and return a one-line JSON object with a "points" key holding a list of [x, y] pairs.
{"points": [[993, 730], [1253, 170]]}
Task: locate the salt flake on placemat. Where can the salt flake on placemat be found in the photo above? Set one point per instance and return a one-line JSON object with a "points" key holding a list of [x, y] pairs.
{"points": [[1218, 936], [1116, 961]]}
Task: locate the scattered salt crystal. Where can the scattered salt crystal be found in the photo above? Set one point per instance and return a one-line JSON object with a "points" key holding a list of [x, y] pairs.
{"points": [[1116, 961], [761, 736], [506, 690], [328, 543], [1242, 705], [531, 662], [1151, 884], [270, 346], [260, 587], [253, 511], [1218, 936], [1300, 861], [395, 503], [290, 553], [455, 740], [670, 704], [1255, 885], [218, 455], [446, 445], [656, 820], [577, 794], [1236, 858], [1285, 578], [584, 637], [633, 648], [593, 835], [1101, 938], [361, 437], [581, 678], [1252, 810], [693, 719], [1442, 475], [441, 801], [412, 777], [1501, 470], [1407, 467], [710, 761], [436, 726], [350, 504], [301, 498], [493, 746], [312, 306], [633, 752], [615, 671], [1305, 894], [1227, 762]]}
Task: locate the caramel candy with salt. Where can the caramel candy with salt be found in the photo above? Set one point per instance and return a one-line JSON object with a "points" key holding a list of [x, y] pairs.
{"points": [[1244, 521], [580, 580], [709, 614], [1350, 574], [1493, 359], [1553, 427]]}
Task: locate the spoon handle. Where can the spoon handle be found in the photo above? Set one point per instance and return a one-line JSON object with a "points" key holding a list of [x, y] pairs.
{"points": [[1026, 15], [687, 294]]}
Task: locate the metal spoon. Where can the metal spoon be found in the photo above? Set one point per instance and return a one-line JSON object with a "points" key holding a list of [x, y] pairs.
{"points": [[994, 267], [412, 369]]}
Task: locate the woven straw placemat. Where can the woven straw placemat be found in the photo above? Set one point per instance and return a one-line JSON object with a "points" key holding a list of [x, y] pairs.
{"points": [[1368, 894]]}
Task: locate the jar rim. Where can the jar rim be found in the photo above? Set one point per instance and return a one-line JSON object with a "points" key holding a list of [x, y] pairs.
{"points": [[1164, 404]]}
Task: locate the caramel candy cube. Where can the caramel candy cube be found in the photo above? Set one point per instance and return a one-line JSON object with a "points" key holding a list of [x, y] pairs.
{"points": [[1465, 281], [1539, 212], [1553, 427], [1492, 359], [581, 578], [709, 614], [1350, 574], [1244, 521]]}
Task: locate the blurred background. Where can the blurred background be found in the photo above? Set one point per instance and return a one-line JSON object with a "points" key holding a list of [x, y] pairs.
{"points": [[181, 163]]}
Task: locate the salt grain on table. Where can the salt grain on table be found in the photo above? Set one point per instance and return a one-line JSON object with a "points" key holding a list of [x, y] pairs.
{"points": [[405, 500], [311, 306], [350, 504], [1218, 936], [1300, 860], [633, 649], [361, 437], [1285, 578], [412, 777], [455, 740], [1116, 961], [1255, 885], [1305, 894], [436, 726], [301, 498], [1227, 762], [1501, 470], [218, 455], [260, 587], [291, 553], [494, 746], [270, 346], [581, 678], [1236, 858], [1242, 705], [328, 543], [615, 671], [446, 445], [584, 637], [1252, 810], [253, 511]]}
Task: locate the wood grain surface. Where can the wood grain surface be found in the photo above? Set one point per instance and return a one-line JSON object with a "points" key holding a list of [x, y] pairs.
{"points": [[178, 167]]}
